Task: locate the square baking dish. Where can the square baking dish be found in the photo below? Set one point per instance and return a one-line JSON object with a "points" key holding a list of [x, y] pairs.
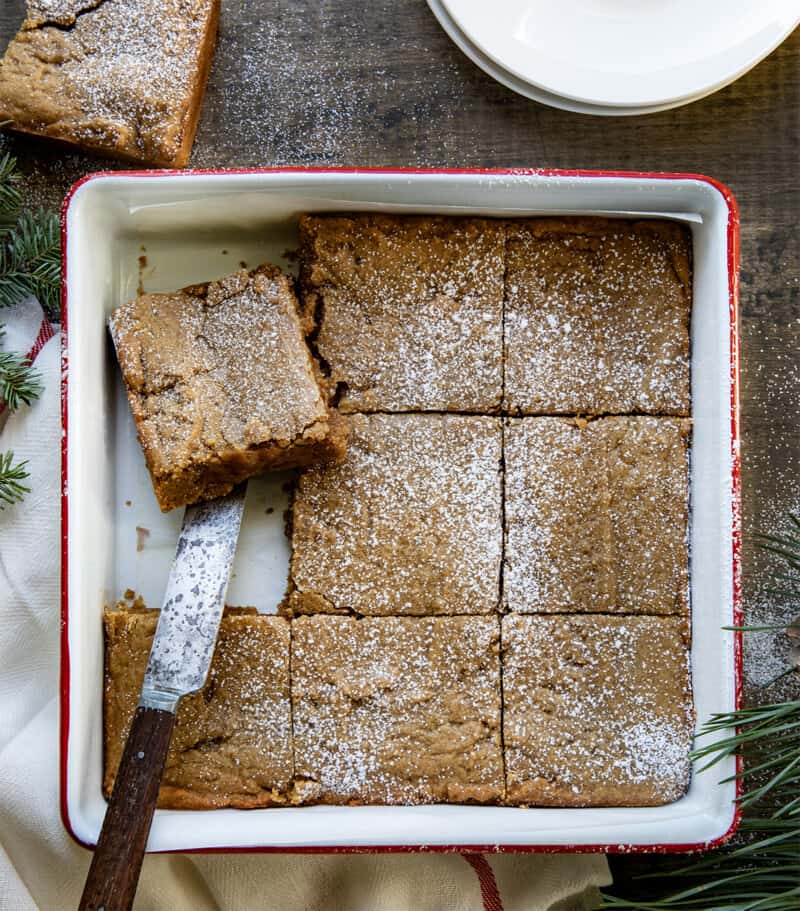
{"points": [[163, 230]]}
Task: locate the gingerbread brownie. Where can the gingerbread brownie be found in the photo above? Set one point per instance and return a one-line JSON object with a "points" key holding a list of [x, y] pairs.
{"points": [[397, 710], [408, 309], [408, 523], [118, 77], [232, 741], [222, 385], [597, 710], [647, 466], [597, 317], [596, 515]]}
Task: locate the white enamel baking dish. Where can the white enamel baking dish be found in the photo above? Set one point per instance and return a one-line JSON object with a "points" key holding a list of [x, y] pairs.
{"points": [[194, 226]]}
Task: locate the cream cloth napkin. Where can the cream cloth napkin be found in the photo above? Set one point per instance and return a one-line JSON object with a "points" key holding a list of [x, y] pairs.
{"points": [[41, 868]]}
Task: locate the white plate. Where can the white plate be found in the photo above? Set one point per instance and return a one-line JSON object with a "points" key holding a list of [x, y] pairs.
{"points": [[626, 53], [185, 221], [510, 81]]}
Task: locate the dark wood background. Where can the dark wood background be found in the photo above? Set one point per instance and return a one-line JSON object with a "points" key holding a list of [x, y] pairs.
{"points": [[380, 84]]}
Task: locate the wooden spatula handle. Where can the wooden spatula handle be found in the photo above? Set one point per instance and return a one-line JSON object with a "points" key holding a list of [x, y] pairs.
{"points": [[114, 871]]}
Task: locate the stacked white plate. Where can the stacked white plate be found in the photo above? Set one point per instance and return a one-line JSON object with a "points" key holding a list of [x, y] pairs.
{"points": [[616, 57]]}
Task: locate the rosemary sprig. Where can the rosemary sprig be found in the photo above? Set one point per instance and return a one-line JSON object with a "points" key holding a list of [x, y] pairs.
{"points": [[12, 474]]}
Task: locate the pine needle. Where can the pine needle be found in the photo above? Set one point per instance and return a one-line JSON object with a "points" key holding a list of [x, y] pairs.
{"points": [[20, 384], [30, 262], [12, 490], [10, 199], [763, 874]]}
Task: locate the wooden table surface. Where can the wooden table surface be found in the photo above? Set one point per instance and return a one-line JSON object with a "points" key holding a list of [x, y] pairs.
{"points": [[346, 83]]}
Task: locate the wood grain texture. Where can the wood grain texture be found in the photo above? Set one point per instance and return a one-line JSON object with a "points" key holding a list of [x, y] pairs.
{"points": [[381, 85], [117, 859]]}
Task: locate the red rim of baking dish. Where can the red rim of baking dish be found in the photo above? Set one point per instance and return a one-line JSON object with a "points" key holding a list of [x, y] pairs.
{"points": [[736, 517]]}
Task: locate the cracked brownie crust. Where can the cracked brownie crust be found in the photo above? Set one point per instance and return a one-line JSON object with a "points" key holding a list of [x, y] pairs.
{"points": [[408, 310], [597, 710], [397, 710], [597, 317], [408, 523], [119, 77], [232, 743]]}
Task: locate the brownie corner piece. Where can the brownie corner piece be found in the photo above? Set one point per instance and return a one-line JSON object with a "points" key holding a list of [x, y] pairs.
{"points": [[597, 316], [409, 309], [231, 746], [597, 710], [122, 77], [221, 385], [409, 523], [397, 710]]}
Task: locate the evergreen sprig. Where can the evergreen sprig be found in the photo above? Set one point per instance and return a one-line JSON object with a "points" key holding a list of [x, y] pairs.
{"points": [[764, 873], [10, 199], [30, 264], [19, 382], [30, 261], [12, 474], [30, 246]]}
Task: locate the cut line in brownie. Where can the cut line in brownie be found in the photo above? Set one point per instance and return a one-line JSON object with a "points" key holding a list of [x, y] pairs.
{"points": [[596, 515], [597, 316], [408, 310], [597, 710], [232, 743], [397, 710], [117, 77], [221, 385], [408, 523]]}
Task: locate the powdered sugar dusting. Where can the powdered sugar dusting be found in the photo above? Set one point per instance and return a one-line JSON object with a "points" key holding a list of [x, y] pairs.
{"points": [[410, 309], [58, 12], [596, 515], [605, 306], [232, 740], [121, 73], [224, 366], [397, 710], [315, 84], [597, 710], [408, 523]]}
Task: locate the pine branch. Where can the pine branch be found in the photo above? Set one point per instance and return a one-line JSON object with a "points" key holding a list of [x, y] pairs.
{"points": [[30, 262], [764, 874], [10, 199], [12, 490], [19, 382]]}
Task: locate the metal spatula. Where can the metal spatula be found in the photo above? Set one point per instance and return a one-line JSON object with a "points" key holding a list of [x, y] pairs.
{"points": [[179, 661]]}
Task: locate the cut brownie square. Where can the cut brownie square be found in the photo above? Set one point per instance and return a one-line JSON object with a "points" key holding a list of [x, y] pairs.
{"points": [[409, 522], [397, 710], [408, 309], [596, 515], [118, 77], [597, 317], [597, 711], [221, 385], [558, 548], [232, 744], [647, 464]]}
